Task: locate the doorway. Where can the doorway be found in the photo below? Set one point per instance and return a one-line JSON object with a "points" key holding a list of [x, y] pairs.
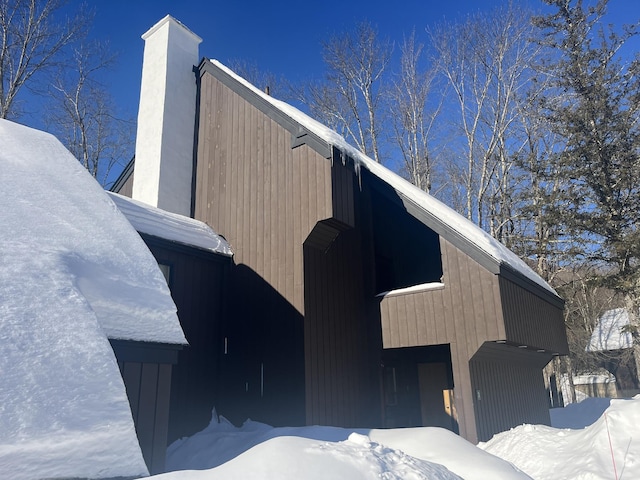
{"points": [[418, 387], [436, 396]]}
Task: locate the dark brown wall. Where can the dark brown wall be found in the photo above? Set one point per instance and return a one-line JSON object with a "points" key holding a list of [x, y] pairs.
{"points": [[265, 198], [508, 388], [342, 351], [261, 194], [126, 189], [465, 313], [268, 199], [529, 320], [148, 386], [468, 312], [197, 283]]}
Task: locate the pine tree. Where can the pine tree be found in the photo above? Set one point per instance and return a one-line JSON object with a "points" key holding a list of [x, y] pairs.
{"points": [[596, 109]]}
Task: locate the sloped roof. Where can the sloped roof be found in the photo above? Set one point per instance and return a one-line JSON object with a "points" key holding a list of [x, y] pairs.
{"points": [[433, 213], [74, 273], [608, 333], [170, 226]]}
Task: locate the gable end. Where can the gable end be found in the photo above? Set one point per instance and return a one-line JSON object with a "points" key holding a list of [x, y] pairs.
{"points": [[299, 134]]}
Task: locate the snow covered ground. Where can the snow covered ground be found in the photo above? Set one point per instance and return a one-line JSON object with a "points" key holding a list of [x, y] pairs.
{"points": [[608, 448]]}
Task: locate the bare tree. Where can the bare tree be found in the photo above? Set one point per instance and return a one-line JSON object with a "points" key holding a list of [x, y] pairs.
{"points": [[486, 62], [268, 82], [414, 114], [350, 98], [83, 116], [31, 40]]}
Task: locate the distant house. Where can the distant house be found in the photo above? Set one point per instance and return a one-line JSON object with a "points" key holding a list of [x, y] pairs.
{"points": [[353, 298], [77, 286], [615, 346]]}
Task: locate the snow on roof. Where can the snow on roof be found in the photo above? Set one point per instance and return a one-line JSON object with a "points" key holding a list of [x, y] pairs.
{"points": [[170, 226], [57, 211], [441, 212], [608, 334], [73, 272]]}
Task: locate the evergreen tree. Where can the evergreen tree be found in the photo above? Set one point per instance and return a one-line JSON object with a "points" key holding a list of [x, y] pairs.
{"points": [[596, 110]]}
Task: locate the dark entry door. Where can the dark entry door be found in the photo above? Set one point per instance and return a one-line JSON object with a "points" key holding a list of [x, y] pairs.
{"points": [[436, 396]]}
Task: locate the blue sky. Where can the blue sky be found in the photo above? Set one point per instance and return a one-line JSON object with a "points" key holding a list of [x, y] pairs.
{"points": [[282, 37]]}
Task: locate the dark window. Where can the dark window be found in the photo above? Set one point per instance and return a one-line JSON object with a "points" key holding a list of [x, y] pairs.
{"points": [[407, 252], [166, 271]]}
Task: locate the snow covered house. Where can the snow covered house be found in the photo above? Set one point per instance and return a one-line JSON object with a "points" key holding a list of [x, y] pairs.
{"points": [[353, 298], [617, 351], [77, 285]]}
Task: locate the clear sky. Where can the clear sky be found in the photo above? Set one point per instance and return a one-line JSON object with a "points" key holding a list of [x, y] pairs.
{"points": [[283, 37]]}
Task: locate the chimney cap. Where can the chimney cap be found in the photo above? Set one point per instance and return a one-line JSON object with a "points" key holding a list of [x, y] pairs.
{"points": [[170, 19]]}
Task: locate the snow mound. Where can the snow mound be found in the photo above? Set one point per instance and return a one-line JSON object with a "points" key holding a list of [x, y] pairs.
{"points": [[608, 448], [579, 415], [74, 272], [258, 451]]}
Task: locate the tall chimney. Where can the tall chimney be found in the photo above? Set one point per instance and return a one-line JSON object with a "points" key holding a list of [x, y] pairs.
{"points": [[166, 117]]}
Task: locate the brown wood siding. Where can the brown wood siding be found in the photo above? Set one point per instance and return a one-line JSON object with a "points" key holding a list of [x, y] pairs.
{"points": [[197, 283], [265, 198], [342, 357], [530, 320], [465, 314], [342, 193], [148, 387], [261, 194], [508, 390], [127, 188], [467, 310]]}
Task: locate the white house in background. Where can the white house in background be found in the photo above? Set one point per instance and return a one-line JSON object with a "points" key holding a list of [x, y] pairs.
{"points": [[619, 354], [76, 277], [610, 333]]}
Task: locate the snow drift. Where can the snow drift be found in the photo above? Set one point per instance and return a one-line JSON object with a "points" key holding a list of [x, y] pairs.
{"points": [[74, 273]]}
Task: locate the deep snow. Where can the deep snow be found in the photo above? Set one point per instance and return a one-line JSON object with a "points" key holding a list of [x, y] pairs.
{"points": [[170, 226], [258, 451], [74, 272], [607, 449]]}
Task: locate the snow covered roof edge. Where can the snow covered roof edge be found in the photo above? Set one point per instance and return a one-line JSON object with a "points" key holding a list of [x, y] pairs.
{"points": [[170, 226], [465, 229]]}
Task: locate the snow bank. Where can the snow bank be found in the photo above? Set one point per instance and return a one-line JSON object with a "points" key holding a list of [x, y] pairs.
{"points": [[609, 448], [258, 451], [579, 415], [73, 271]]}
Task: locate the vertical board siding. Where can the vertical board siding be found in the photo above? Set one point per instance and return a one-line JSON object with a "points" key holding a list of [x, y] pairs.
{"points": [[265, 198], [464, 314], [255, 190], [127, 188], [147, 387], [464, 311], [341, 388], [530, 320], [511, 393], [197, 284], [477, 306]]}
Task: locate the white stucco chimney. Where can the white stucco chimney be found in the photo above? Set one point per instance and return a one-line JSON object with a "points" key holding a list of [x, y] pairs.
{"points": [[166, 117]]}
